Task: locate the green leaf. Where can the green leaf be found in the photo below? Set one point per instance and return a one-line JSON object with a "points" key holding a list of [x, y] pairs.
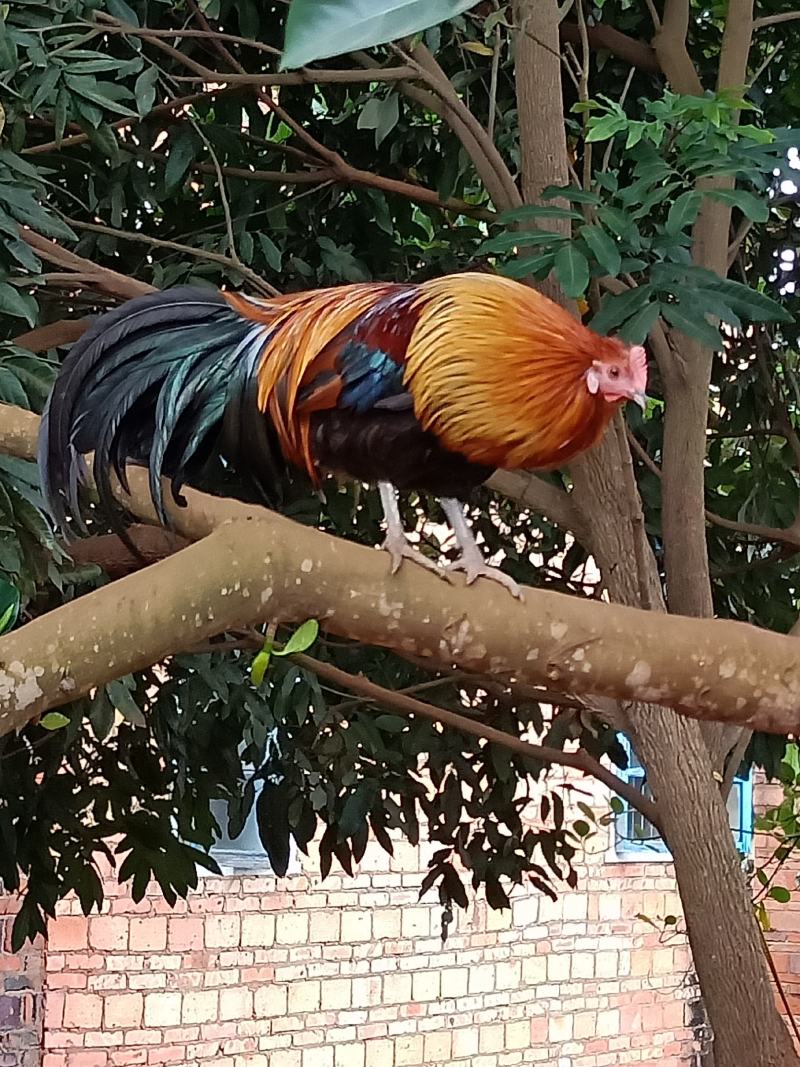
{"points": [[533, 266], [303, 638], [9, 605], [601, 129], [638, 326], [572, 270], [120, 696], [120, 10], [753, 207], [757, 134], [8, 49], [603, 247], [182, 151], [317, 29], [54, 720], [618, 307], [380, 114], [272, 253], [86, 87], [692, 322], [538, 211], [683, 212], [511, 239], [145, 90], [13, 302], [741, 299], [781, 894], [258, 668]]}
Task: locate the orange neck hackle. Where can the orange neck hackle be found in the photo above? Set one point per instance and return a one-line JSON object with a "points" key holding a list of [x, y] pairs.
{"points": [[498, 373]]}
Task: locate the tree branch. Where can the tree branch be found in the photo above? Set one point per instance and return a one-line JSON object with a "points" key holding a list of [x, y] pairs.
{"points": [[601, 37], [669, 43], [408, 705], [93, 275], [249, 275], [55, 334], [788, 535], [339, 170], [127, 123], [202, 73], [773, 20], [489, 165], [250, 565], [540, 496]]}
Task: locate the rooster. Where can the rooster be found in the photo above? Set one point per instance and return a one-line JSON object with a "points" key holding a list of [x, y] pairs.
{"points": [[429, 387]]}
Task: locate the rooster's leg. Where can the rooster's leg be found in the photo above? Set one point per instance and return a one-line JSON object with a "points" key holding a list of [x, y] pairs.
{"points": [[471, 560], [396, 543]]}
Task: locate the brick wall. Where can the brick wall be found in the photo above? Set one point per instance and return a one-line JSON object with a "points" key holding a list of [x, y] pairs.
{"points": [[251, 972], [21, 996], [784, 936]]}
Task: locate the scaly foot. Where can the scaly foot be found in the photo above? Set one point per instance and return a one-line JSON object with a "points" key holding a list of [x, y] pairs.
{"points": [[474, 566], [400, 548]]}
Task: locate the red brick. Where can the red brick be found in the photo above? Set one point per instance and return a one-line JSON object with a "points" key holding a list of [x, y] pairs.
{"points": [[127, 1057], [83, 1011], [123, 1010], [148, 935], [68, 933], [186, 933], [84, 1058], [109, 932], [175, 1054]]}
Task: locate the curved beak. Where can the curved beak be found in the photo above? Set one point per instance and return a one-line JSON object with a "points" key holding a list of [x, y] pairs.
{"points": [[640, 399]]}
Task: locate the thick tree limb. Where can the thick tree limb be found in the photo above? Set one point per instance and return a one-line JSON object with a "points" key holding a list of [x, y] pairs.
{"points": [[639, 54], [540, 496], [55, 334], [100, 278], [669, 43], [112, 554], [250, 565]]}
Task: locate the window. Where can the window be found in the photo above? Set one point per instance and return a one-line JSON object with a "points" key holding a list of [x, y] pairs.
{"points": [[245, 853], [636, 838]]}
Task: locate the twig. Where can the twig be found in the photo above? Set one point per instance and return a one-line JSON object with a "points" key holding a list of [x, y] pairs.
{"points": [[651, 7], [498, 46], [175, 246], [406, 705], [789, 535], [202, 73], [342, 171]]}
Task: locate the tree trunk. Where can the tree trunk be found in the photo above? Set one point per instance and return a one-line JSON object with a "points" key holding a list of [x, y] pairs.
{"points": [[723, 935]]}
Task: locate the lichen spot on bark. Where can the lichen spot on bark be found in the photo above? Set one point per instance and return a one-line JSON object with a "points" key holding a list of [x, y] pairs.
{"points": [[19, 685], [727, 668], [557, 630], [640, 675]]}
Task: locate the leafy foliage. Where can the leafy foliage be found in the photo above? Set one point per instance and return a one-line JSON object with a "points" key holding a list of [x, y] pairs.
{"points": [[223, 184]]}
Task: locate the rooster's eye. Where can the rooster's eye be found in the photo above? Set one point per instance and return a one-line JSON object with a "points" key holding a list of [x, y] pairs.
{"points": [[613, 372]]}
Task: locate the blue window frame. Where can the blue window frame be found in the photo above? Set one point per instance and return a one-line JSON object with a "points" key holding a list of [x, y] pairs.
{"points": [[636, 838]]}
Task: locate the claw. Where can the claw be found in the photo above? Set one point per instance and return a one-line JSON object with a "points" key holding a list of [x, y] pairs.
{"points": [[399, 548], [471, 562], [474, 567]]}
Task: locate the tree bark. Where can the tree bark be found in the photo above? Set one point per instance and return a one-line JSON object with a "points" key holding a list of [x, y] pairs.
{"points": [[250, 566], [722, 931]]}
